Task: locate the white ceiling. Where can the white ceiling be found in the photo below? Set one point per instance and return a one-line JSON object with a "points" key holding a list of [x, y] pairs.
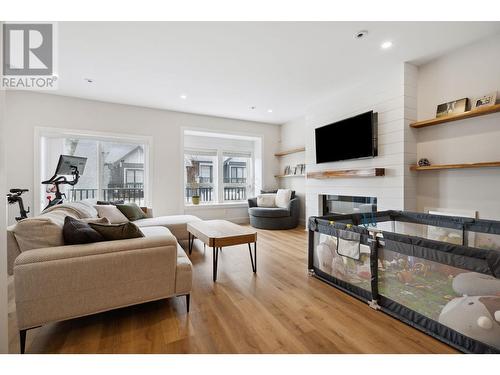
{"points": [[225, 68]]}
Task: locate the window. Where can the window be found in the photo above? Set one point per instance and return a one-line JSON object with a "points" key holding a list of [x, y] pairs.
{"points": [[199, 175], [216, 174], [115, 170], [237, 186]]}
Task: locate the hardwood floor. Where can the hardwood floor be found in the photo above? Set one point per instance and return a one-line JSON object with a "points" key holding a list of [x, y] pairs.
{"points": [[279, 310]]}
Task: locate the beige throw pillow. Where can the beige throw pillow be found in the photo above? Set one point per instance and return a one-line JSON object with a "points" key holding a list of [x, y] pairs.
{"points": [[41, 231], [266, 200], [113, 214], [283, 197]]}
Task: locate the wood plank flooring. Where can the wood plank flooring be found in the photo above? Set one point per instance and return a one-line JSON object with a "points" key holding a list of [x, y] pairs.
{"points": [[279, 310]]}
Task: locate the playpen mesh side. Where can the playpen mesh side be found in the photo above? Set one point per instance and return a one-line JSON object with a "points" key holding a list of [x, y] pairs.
{"points": [[449, 291]]}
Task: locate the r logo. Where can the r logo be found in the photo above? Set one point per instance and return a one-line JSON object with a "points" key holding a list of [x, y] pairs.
{"points": [[28, 49]]}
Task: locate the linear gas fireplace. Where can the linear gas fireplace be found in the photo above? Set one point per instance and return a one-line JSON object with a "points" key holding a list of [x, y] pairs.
{"points": [[344, 204]]}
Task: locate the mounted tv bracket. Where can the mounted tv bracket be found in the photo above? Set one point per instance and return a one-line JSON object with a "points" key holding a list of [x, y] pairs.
{"points": [[66, 166]]}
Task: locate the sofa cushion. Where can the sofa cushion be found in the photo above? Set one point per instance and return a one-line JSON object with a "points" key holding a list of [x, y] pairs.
{"points": [[155, 231], [81, 210], [76, 232], [268, 212], [266, 200], [113, 214], [113, 232], [42, 231], [132, 211], [177, 224]]}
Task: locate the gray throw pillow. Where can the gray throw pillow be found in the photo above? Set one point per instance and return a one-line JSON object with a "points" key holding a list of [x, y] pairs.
{"points": [[77, 232], [132, 211], [112, 232]]}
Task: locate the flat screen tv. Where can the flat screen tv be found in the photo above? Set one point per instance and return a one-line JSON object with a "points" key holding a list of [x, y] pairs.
{"points": [[351, 138]]}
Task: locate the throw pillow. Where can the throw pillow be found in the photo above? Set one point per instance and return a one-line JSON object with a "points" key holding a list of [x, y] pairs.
{"points": [[114, 203], [132, 211], [113, 214], [275, 191], [76, 232], [112, 232], [283, 197], [266, 200]]}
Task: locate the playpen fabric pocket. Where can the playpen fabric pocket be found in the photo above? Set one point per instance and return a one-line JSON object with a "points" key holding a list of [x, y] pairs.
{"points": [[348, 244]]}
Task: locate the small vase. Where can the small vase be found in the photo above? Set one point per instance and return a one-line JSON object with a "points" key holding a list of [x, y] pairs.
{"points": [[195, 200]]}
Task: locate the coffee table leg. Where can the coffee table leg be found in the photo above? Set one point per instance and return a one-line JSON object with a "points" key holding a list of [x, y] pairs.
{"points": [[215, 251], [254, 258]]}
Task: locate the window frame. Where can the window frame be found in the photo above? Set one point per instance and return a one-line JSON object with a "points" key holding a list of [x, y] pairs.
{"points": [[39, 157], [218, 178]]}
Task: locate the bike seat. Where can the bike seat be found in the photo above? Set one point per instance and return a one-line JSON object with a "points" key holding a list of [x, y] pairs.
{"points": [[17, 191]]}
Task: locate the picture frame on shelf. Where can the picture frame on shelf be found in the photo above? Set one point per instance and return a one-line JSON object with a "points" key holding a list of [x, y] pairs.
{"points": [[452, 108], [484, 101]]}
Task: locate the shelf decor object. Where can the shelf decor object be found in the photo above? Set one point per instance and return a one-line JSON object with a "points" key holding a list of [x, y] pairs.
{"points": [[481, 111], [291, 151], [434, 167], [346, 173]]}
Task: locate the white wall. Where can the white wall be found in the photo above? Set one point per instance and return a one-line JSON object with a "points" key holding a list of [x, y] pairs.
{"points": [[470, 72], [3, 245], [393, 95], [27, 110], [293, 135]]}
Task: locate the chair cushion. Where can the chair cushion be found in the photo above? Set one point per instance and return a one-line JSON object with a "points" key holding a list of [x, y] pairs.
{"points": [[266, 200], [283, 197], [268, 212], [275, 191], [177, 224]]}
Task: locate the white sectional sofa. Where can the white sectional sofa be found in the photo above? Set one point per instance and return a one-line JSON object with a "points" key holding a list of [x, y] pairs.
{"points": [[55, 282]]}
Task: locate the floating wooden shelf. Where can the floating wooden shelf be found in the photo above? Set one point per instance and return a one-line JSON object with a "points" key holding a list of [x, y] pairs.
{"points": [[290, 175], [291, 151], [367, 172], [460, 116], [487, 164]]}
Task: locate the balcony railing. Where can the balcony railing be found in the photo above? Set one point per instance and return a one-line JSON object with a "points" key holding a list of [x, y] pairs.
{"points": [[205, 193], [135, 195], [235, 180], [231, 193]]}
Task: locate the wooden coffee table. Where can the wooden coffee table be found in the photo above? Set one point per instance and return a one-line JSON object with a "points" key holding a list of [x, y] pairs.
{"points": [[220, 233]]}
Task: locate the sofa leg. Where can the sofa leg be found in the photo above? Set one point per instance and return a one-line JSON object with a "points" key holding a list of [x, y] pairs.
{"points": [[22, 340], [188, 297]]}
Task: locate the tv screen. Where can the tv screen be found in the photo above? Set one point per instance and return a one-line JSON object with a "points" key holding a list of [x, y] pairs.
{"points": [[352, 138]]}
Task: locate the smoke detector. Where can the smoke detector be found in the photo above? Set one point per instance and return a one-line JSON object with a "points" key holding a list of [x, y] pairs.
{"points": [[361, 34]]}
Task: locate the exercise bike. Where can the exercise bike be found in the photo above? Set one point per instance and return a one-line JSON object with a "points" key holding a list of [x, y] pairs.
{"points": [[14, 197], [67, 166]]}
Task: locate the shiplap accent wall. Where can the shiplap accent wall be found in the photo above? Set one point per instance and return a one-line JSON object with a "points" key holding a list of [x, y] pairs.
{"points": [[393, 95]]}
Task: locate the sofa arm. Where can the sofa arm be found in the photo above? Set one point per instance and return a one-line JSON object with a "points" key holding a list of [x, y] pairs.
{"points": [[65, 282], [294, 207], [252, 202]]}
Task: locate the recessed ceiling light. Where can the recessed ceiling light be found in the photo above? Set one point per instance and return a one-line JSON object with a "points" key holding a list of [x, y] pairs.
{"points": [[270, 110], [253, 107], [88, 80], [386, 45], [184, 96]]}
